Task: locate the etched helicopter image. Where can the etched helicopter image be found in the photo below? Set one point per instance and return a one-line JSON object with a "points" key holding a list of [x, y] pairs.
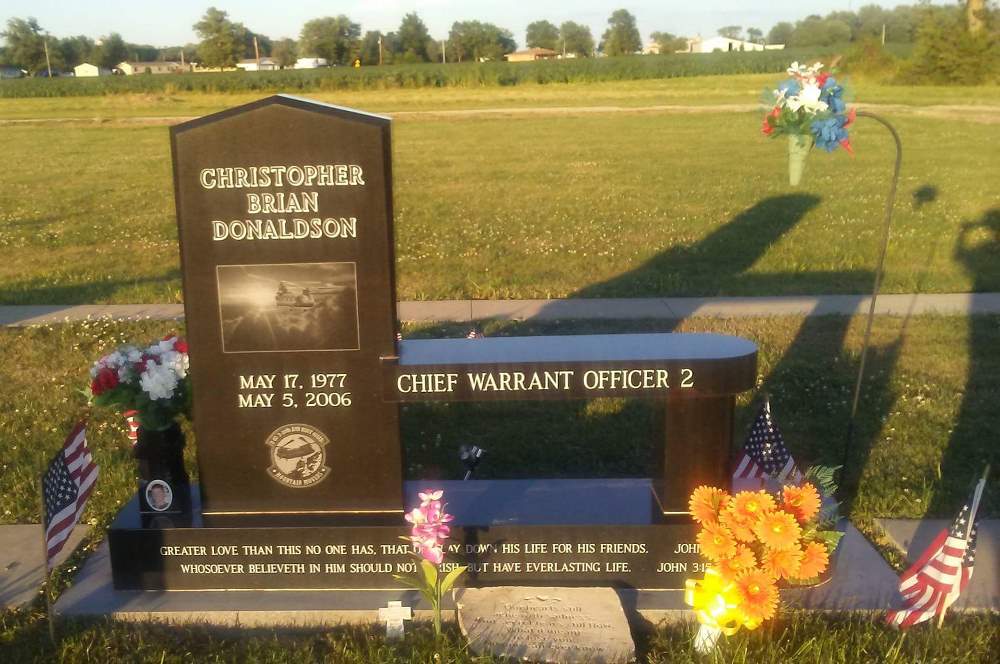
{"points": [[299, 306], [290, 294], [298, 458]]}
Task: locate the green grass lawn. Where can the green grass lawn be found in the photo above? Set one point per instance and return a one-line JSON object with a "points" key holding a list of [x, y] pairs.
{"points": [[792, 638], [609, 205], [697, 91], [925, 431]]}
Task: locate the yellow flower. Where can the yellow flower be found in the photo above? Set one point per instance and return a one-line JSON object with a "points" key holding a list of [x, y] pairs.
{"points": [[739, 562], [782, 564], [815, 560], [706, 502], [742, 529], [759, 596], [778, 530], [744, 511], [716, 542], [802, 501]]}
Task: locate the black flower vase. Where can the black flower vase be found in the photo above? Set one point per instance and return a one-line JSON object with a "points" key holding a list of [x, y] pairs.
{"points": [[164, 487]]}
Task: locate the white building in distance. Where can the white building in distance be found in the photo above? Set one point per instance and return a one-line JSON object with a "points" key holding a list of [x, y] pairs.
{"points": [[158, 67], [86, 69], [311, 63], [266, 64], [725, 44]]}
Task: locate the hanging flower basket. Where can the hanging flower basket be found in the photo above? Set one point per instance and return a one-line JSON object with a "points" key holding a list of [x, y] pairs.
{"points": [[809, 108]]}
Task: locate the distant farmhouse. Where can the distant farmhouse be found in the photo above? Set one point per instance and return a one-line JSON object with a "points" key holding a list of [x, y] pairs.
{"points": [[265, 64], [159, 67], [86, 69], [311, 63], [718, 43], [532, 54]]}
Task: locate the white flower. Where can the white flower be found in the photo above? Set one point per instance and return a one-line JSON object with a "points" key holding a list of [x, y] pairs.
{"points": [[158, 381], [808, 99]]}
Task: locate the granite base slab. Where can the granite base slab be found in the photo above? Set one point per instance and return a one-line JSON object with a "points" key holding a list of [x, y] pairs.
{"points": [[93, 595], [22, 570]]}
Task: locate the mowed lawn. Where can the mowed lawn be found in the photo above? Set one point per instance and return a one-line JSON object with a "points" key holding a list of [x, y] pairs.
{"points": [[693, 91], [926, 428], [561, 205]]}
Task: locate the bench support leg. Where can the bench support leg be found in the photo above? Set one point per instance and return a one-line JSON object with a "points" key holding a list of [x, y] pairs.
{"points": [[696, 450]]}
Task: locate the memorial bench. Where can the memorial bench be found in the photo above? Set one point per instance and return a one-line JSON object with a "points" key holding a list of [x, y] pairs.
{"points": [[697, 377]]}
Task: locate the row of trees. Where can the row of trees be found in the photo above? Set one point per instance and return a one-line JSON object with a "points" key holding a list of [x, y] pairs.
{"points": [[29, 47], [224, 42], [900, 25]]}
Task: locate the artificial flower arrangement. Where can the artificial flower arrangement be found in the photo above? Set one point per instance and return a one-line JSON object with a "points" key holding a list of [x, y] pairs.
{"points": [[151, 381], [428, 533], [809, 108], [754, 541]]}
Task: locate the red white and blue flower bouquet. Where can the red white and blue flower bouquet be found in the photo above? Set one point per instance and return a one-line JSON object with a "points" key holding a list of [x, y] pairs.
{"points": [[809, 108]]}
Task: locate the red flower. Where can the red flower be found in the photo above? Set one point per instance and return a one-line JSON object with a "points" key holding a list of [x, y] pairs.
{"points": [[181, 346], [821, 79], [852, 115], [106, 379], [767, 127], [846, 144]]}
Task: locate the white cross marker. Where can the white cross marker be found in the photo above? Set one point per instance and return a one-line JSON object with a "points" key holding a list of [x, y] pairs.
{"points": [[393, 616]]}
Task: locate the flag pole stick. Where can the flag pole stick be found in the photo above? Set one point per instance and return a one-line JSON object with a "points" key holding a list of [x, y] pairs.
{"points": [[968, 526], [45, 562]]}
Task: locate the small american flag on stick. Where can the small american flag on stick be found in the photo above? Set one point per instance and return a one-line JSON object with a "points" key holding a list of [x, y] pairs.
{"points": [[764, 455], [936, 580], [66, 485]]}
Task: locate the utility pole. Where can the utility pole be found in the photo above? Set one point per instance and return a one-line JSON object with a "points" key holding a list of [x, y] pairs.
{"points": [[48, 65], [442, 52], [564, 48], [380, 48], [256, 51], [883, 34], [974, 15]]}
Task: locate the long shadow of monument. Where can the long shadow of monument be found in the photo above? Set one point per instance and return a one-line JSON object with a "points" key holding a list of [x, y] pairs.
{"points": [[810, 384], [973, 441]]}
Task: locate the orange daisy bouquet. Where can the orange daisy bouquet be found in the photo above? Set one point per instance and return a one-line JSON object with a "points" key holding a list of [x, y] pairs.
{"points": [[754, 541]]}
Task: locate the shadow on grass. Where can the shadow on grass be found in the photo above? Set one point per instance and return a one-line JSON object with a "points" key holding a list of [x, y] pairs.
{"points": [[810, 385], [38, 292], [973, 442]]}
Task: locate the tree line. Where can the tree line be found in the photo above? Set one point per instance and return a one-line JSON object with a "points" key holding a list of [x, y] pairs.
{"points": [[340, 41]]}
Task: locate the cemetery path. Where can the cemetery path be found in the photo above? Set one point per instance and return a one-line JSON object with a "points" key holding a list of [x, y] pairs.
{"points": [[664, 308], [984, 114]]}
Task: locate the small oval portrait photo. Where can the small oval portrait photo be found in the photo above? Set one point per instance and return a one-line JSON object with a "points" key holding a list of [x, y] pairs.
{"points": [[159, 496]]}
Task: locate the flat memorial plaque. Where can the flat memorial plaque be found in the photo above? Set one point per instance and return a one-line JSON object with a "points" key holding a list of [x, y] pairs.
{"points": [[285, 215], [546, 624]]}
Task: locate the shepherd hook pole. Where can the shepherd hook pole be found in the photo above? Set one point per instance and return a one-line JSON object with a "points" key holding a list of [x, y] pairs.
{"points": [[879, 270]]}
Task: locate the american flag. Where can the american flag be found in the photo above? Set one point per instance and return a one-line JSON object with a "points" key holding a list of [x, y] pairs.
{"points": [[132, 422], [935, 581], [66, 486], [764, 455]]}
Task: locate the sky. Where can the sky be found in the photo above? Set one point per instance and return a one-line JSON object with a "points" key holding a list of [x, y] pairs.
{"points": [[169, 23]]}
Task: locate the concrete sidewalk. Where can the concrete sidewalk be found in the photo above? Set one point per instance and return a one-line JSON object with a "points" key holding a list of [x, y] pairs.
{"points": [[666, 308]]}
